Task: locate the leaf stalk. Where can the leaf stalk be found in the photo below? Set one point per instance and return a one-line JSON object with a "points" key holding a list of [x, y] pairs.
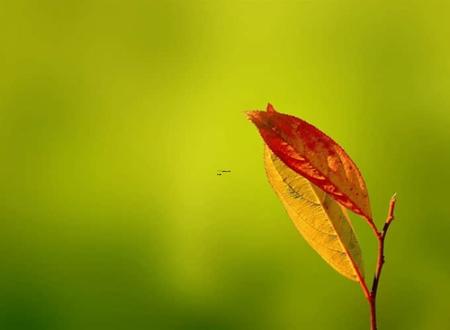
{"points": [[381, 236]]}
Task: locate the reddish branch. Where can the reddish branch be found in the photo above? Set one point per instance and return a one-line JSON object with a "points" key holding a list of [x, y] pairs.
{"points": [[372, 295]]}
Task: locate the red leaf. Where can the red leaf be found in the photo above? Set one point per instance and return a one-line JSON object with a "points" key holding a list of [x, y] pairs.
{"points": [[314, 155]]}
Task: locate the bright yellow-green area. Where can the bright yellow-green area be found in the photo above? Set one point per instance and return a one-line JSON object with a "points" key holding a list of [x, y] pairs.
{"points": [[115, 117], [318, 217]]}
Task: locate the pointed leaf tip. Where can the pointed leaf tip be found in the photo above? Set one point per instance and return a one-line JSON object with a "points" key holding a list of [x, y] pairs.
{"points": [[270, 108], [255, 117], [250, 115]]}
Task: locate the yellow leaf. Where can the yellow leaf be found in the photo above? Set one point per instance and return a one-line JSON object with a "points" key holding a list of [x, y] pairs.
{"points": [[321, 221]]}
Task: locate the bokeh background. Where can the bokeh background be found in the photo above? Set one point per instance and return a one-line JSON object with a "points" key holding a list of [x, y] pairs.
{"points": [[115, 117]]}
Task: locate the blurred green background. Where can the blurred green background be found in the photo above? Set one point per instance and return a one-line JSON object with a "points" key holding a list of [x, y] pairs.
{"points": [[116, 115]]}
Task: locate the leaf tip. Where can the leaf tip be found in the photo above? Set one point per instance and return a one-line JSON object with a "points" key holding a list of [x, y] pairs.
{"points": [[250, 115], [270, 108], [254, 116]]}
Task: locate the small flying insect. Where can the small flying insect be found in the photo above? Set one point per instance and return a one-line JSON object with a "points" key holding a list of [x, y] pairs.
{"points": [[219, 172]]}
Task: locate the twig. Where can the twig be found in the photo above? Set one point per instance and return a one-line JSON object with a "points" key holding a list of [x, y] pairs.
{"points": [[380, 261]]}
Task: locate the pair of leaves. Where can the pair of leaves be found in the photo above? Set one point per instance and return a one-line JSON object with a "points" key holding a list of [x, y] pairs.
{"points": [[315, 180]]}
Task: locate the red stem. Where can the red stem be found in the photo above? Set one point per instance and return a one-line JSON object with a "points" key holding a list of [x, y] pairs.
{"points": [[371, 297]]}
